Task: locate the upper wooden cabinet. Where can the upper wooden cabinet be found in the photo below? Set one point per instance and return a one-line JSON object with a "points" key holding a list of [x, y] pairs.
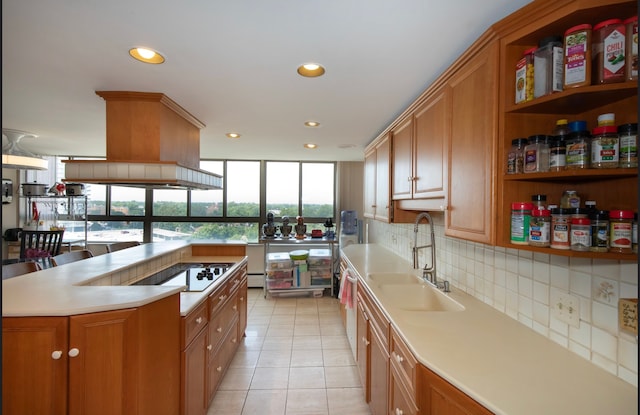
{"points": [[377, 204]]}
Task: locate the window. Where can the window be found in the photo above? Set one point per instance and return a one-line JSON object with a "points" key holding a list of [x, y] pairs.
{"points": [[283, 187], [318, 190], [243, 188]]}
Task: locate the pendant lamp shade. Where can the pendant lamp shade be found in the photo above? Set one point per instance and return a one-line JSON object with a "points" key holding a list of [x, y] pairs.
{"points": [[14, 157]]}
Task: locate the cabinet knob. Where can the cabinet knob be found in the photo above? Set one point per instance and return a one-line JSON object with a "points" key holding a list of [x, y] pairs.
{"points": [[74, 352], [219, 329], [398, 411], [219, 369], [222, 297], [199, 320], [56, 355], [235, 308], [241, 298], [209, 347], [399, 358], [443, 207], [234, 340], [365, 341]]}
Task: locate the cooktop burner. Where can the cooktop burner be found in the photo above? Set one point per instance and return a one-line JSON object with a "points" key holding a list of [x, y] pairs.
{"points": [[196, 277]]}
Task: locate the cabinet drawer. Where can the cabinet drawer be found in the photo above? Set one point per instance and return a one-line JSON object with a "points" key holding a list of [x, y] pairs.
{"points": [[403, 360], [193, 323], [378, 321], [236, 280], [401, 401], [218, 298], [221, 359]]}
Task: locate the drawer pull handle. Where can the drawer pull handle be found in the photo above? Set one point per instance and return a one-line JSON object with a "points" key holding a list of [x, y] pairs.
{"points": [[199, 320], [56, 355], [235, 307], [241, 298], [365, 341], [399, 358], [219, 369], [398, 411], [74, 352], [234, 340], [219, 329], [222, 297], [209, 347]]}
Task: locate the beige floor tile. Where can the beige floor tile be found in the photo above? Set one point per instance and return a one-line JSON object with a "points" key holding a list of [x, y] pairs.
{"points": [[256, 330], [274, 358], [277, 343], [307, 401], [347, 401], [238, 378], [303, 329], [341, 377], [270, 378], [335, 329], [280, 330], [265, 402], [337, 357], [245, 358], [307, 342], [251, 343], [227, 403], [283, 319], [306, 319], [306, 377], [335, 342], [306, 357]]}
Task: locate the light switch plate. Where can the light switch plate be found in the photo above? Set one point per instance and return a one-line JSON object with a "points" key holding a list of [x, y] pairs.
{"points": [[567, 309]]}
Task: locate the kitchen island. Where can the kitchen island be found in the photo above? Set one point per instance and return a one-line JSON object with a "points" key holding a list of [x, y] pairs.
{"points": [[496, 361], [89, 342]]}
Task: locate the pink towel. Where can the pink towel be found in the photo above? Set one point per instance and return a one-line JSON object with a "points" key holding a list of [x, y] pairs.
{"points": [[346, 288]]}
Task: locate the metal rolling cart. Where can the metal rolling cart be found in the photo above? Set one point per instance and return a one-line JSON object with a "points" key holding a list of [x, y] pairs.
{"points": [[280, 285]]}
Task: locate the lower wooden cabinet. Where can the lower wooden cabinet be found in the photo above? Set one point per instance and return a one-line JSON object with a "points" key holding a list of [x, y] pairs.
{"points": [[114, 362], [401, 400]]}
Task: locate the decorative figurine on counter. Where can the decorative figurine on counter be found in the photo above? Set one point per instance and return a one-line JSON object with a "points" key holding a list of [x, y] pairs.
{"points": [[329, 232], [301, 228], [269, 229], [285, 229]]}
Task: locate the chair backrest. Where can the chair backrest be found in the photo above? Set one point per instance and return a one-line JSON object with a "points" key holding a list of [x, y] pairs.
{"points": [[121, 245], [19, 268], [49, 241], [72, 256]]}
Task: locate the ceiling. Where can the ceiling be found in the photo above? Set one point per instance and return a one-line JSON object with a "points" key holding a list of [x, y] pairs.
{"points": [[232, 64]]}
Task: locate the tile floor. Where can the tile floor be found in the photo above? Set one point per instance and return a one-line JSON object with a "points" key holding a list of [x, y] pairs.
{"points": [[295, 360]]}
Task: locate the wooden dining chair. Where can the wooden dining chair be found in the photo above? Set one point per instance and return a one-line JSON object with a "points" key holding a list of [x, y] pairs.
{"points": [[121, 245], [38, 242], [19, 268], [72, 256]]}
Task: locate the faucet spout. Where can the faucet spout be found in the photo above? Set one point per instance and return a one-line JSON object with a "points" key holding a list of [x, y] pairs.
{"points": [[428, 271]]}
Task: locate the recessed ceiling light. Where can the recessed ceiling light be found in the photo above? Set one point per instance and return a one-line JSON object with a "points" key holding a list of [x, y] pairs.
{"points": [[311, 70], [312, 124], [310, 146], [146, 55], [233, 135]]}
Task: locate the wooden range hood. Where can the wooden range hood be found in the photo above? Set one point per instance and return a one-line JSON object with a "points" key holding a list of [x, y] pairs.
{"points": [[151, 142]]}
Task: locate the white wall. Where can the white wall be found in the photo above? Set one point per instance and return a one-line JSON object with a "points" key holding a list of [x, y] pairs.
{"points": [[523, 285]]}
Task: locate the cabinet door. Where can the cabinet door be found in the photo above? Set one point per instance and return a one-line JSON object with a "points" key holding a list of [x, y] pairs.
{"points": [[362, 347], [370, 183], [431, 138], [194, 372], [379, 375], [34, 380], [400, 400], [242, 307], [103, 374], [383, 204], [439, 397], [402, 166], [474, 100]]}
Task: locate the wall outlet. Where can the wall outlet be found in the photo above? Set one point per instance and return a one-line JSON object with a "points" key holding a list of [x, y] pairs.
{"points": [[567, 309]]}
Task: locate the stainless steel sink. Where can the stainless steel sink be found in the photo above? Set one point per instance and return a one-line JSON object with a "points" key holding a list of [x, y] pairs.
{"points": [[418, 297]]}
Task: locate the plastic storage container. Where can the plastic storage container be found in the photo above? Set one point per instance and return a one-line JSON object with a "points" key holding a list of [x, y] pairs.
{"points": [[525, 77], [520, 218], [608, 51], [548, 66], [319, 258], [605, 148], [279, 260], [628, 137], [577, 56], [631, 43]]}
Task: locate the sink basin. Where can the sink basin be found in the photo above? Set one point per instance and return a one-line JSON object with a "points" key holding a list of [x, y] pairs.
{"points": [[383, 278], [420, 297]]}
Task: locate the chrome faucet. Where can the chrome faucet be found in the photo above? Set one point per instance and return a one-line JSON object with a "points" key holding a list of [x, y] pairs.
{"points": [[428, 272]]}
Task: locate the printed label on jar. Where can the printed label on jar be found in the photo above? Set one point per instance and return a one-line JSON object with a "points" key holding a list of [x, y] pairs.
{"points": [[519, 228], [614, 55], [628, 148], [539, 232], [575, 70], [604, 151], [560, 236], [577, 154], [620, 235], [580, 239], [530, 161]]}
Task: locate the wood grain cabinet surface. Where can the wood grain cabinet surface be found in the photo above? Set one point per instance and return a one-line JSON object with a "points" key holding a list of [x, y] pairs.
{"points": [[377, 188]]}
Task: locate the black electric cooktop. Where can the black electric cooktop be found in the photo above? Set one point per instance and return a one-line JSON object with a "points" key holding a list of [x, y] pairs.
{"points": [[195, 277]]}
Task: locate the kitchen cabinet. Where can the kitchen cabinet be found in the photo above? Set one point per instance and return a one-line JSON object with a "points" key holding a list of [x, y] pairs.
{"points": [[402, 382], [112, 362], [372, 354], [419, 151], [210, 338], [610, 188], [377, 197], [439, 397], [472, 144]]}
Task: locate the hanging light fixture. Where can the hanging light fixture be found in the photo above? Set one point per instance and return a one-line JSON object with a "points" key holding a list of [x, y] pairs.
{"points": [[14, 157]]}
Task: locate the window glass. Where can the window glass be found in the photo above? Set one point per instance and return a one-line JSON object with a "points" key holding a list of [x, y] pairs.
{"points": [[317, 190], [112, 231], [96, 199], [243, 188], [208, 202], [169, 202], [247, 232], [283, 180], [127, 201]]}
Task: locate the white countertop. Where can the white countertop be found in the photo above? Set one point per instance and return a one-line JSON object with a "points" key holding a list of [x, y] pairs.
{"points": [[505, 366], [63, 290]]}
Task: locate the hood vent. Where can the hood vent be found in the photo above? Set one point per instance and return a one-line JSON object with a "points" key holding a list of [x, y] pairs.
{"points": [[151, 142]]}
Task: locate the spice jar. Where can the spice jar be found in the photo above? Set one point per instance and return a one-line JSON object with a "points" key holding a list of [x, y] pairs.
{"points": [[548, 66], [515, 157], [539, 201], [634, 233], [536, 154], [570, 199], [575, 126], [628, 137], [631, 43], [620, 231], [605, 148], [608, 52], [558, 146], [606, 119], [520, 218], [577, 56], [599, 231], [580, 234], [560, 226], [578, 150], [524, 77], [579, 213], [540, 228]]}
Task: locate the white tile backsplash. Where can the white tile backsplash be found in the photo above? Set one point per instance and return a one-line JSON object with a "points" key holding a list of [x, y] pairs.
{"points": [[524, 284]]}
